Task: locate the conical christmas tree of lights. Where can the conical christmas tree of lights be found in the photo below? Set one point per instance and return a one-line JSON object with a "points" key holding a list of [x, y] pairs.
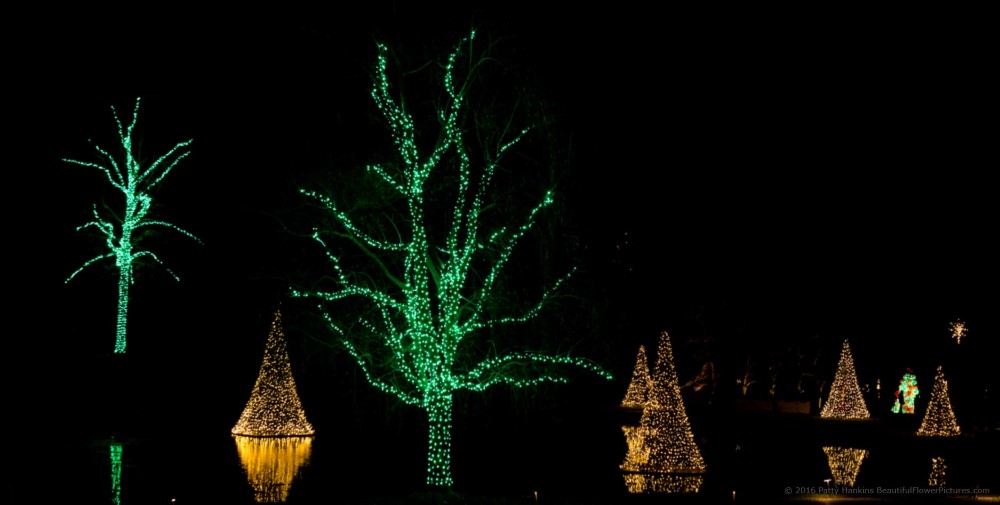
{"points": [[638, 389], [845, 401], [664, 426], [939, 421], [274, 408]]}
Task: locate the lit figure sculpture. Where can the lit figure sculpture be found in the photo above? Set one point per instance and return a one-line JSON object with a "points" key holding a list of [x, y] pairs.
{"points": [[906, 394]]}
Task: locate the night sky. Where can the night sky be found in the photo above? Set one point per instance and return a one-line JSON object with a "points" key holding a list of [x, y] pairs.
{"points": [[742, 179]]}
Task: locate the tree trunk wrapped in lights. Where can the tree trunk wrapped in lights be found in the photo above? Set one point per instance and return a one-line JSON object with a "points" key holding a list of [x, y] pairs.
{"points": [[939, 420], [431, 285], [274, 409], [638, 388], [663, 442], [845, 400], [122, 232]]}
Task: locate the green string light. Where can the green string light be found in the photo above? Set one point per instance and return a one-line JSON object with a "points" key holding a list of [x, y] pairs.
{"points": [[424, 314], [135, 182], [115, 448]]}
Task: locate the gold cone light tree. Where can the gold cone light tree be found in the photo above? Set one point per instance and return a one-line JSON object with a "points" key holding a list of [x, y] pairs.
{"points": [[663, 456], [273, 437], [638, 389], [845, 400], [939, 420]]}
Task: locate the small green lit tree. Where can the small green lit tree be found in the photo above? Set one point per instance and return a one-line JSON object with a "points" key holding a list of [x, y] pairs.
{"points": [[122, 231], [437, 277]]}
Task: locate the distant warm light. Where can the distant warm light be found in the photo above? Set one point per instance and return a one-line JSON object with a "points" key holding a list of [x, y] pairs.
{"points": [[939, 420], [906, 394], [958, 331], [115, 448], [938, 470], [845, 400], [271, 463], [274, 408], [123, 230], [845, 463], [638, 388], [662, 454]]}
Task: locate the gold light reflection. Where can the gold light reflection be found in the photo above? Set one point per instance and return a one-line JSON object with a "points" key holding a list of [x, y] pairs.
{"points": [[271, 463], [845, 463], [649, 483], [938, 470]]}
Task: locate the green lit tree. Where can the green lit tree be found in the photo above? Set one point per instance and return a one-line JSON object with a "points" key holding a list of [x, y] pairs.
{"points": [[433, 295], [122, 231]]}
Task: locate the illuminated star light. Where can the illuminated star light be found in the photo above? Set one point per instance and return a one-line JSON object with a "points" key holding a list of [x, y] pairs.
{"points": [[120, 231], [415, 342], [958, 331]]}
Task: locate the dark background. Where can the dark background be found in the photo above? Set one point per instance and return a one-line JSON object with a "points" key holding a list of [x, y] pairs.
{"points": [[761, 184]]}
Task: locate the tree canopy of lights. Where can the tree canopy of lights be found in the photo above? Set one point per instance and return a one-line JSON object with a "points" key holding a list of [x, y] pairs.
{"points": [[272, 463], [845, 401], [638, 388], [438, 273], [663, 442], [906, 394], [845, 463], [122, 231], [274, 409], [958, 331], [939, 420]]}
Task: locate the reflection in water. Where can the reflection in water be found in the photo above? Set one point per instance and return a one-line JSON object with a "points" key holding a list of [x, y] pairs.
{"points": [[116, 471], [115, 449], [937, 472], [845, 463], [272, 462], [643, 483]]}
